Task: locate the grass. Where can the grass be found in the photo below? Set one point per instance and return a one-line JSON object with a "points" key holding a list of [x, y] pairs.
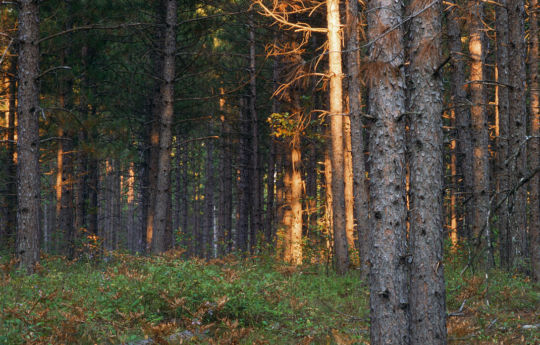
{"points": [[233, 301]]}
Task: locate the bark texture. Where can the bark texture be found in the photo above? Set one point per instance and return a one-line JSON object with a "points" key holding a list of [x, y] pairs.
{"points": [[28, 109], [534, 154], [502, 128], [518, 129], [427, 289], [336, 133], [360, 184], [388, 257], [480, 133], [159, 243]]}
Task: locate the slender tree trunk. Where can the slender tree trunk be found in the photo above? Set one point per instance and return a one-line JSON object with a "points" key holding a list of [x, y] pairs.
{"points": [[336, 130], [503, 126], [209, 200], [225, 207], [534, 150], [427, 290], [256, 198], [28, 177], [165, 138], [518, 126], [244, 198], [361, 199], [388, 257], [295, 202], [463, 120], [479, 129]]}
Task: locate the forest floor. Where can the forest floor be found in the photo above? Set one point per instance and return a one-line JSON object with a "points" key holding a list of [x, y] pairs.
{"points": [[236, 301]]}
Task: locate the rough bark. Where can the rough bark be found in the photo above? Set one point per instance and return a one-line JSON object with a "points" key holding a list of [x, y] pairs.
{"points": [[534, 149], [518, 128], [480, 135], [165, 136], [336, 132], [388, 257], [244, 193], [502, 128], [361, 197], [209, 201], [256, 198], [28, 110], [225, 206], [427, 289], [462, 117]]}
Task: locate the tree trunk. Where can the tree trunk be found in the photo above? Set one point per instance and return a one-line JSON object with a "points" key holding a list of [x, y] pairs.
{"points": [[480, 133], [256, 198], [336, 130], [225, 207], [28, 177], [427, 289], [388, 257], [463, 121], [209, 200], [165, 137], [518, 128], [502, 128], [357, 136], [244, 197], [534, 150]]}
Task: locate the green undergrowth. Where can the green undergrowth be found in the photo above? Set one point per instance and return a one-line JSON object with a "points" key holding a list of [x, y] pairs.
{"points": [[235, 301]]}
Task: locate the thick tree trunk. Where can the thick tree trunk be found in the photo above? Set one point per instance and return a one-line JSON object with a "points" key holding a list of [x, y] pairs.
{"points": [[388, 257], [462, 119], [295, 202], [502, 128], [518, 127], [480, 133], [361, 198], [534, 150], [163, 195], [427, 289], [28, 177], [336, 131]]}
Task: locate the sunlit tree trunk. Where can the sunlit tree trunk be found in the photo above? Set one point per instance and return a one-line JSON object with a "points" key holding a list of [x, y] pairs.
{"points": [[28, 110], [336, 132], [357, 134], [427, 290], [388, 257], [534, 150], [518, 127], [163, 195]]}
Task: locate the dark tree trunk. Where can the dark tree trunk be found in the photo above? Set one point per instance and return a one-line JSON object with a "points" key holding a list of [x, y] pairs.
{"points": [[503, 126], [518, 127], [209, 201], [388, 257], [244, 194], [462, 117], [480, 133], [256, 197], [427, 289], [28, 177], [534, 150], [163, 196]]}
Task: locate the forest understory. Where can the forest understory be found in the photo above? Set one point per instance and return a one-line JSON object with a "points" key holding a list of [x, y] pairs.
{"points": [[137, 300]]}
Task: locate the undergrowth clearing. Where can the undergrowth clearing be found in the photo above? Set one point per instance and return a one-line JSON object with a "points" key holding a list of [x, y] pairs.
{"points": [[236, 301]]}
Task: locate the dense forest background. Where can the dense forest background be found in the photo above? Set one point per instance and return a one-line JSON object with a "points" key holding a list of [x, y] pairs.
{"points": [[363, 135]]}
